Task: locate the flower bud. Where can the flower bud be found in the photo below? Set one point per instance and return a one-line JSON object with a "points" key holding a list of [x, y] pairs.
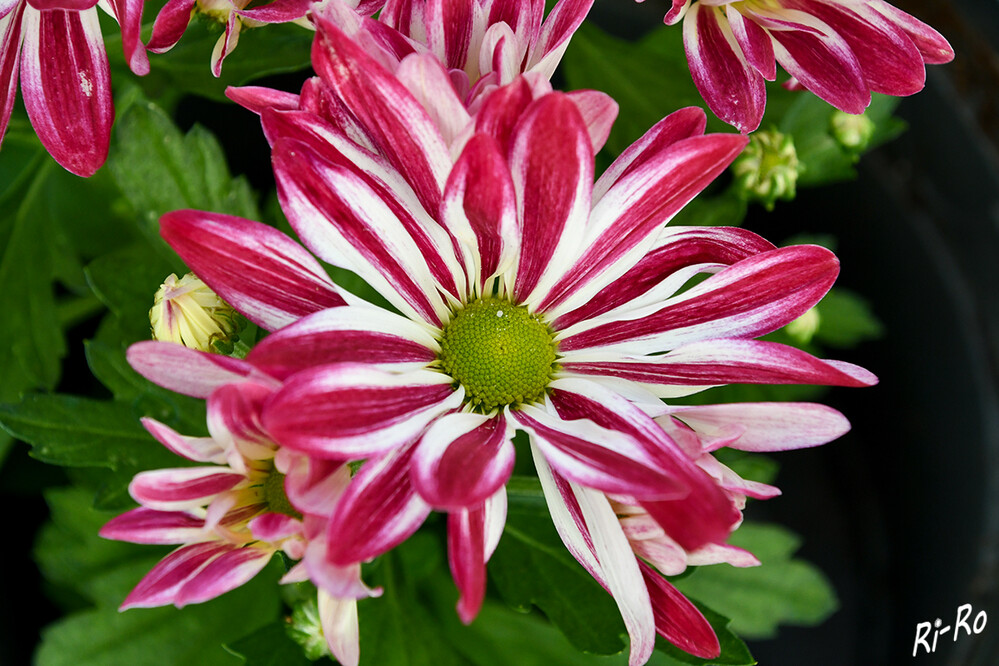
{"points": [[852, 132], [305, 628], [767, 169], [186, 311], [804, 328]]}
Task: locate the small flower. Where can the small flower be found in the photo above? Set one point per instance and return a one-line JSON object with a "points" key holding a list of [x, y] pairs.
{"points": [[841, 50], [852, 131], [65, 76], [188, 312], [173, 20], [232, 515], [767, 169]]}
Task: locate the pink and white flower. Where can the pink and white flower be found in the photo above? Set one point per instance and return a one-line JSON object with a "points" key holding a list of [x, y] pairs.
{"points": [[528, 298], [231, 515], [57, 47], [841, 50]]}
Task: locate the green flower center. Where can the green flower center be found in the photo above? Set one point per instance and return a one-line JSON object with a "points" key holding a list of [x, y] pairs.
{"points": [[499, 352], [274, 495]]}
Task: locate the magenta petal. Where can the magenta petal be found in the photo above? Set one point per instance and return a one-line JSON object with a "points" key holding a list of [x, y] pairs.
{"points": [[224, 573], [66, 83], [200, 449], [678, 620], [143, 525], [274, 526], [344, 335], [731, 86], [184, 370], [755, 43], [166, 488], [676, 11], [265, 275], [277, 11], [398, 123], [379, 510], [170, 24], [589, 454], [677, 248], [462, 460], [480, 194], [931, 44], [598, 110], [160, 586], [467, 558], [129, 15], [259, 98], [351, 411], [10, 52], [552, 164], [234, 417], [502, 109], [449, 26], [558, 28], [750, 298], [68, 5]]}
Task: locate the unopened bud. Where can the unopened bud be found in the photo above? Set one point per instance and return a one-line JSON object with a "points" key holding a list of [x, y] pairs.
{"points": [[804, 328], [767, 169], [305, 628], [852, 132], [187, 311]]}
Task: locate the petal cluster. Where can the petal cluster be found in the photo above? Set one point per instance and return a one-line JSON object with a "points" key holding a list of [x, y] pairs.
{"points": [[842, 50], [58, 50]]}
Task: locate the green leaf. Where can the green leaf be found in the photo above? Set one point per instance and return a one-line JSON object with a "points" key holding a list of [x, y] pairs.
{"points": [[782, 590], [531, 566], [80, 432], [268, 646], [159, 169], [846, 320], [71, 554]]}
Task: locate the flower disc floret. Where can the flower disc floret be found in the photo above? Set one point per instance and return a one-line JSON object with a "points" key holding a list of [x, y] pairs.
{"points": [[499, 352]]}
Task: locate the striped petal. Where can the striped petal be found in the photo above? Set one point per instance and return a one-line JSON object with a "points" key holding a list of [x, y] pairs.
{"points": [[480, 209], [188, 371], [750, 298], [348, 411], [598, 457], [10, 56], [66, 84], [129, 16], [678, 620], [731, 86], [356, 334], [430, 85], [931, 44], [262, 273], [144, 525], [560, 24], [379, 510], [589, 528], [223, 574], [626, 222], [161, 585], [717, 362], [462, 460], [552, 164], [338, 618], [182, 488], [200, 449], [764, 426], [398, 124], [170, 25]]}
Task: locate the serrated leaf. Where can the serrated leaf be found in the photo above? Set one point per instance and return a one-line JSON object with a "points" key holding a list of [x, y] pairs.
{"points": [[80, 432], [159, 169], [783, 590], [531, 566]]}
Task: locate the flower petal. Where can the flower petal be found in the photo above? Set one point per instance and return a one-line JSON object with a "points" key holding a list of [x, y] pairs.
{"points": [[223, 574], [338, 618], [462, 460], [262, 273], [66, 83], [359, 333], [182, 488], [10, 56], [754, 296], [467, 558], [144, 525], [379, 510], [731, 86], [170, 25], [931, 44], [678, 620], [160, 586], [188, 371], [348, 411], [200, 449]]}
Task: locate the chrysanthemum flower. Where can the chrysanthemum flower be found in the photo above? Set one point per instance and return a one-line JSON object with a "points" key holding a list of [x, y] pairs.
{"points": [[841, 50], [232, 515], [65, 78], [527, 298]]}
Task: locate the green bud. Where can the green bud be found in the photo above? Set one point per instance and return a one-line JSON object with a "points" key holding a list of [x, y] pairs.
{"points": [[804, 328], [852, 132], [305, 628], [767, 169]]}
